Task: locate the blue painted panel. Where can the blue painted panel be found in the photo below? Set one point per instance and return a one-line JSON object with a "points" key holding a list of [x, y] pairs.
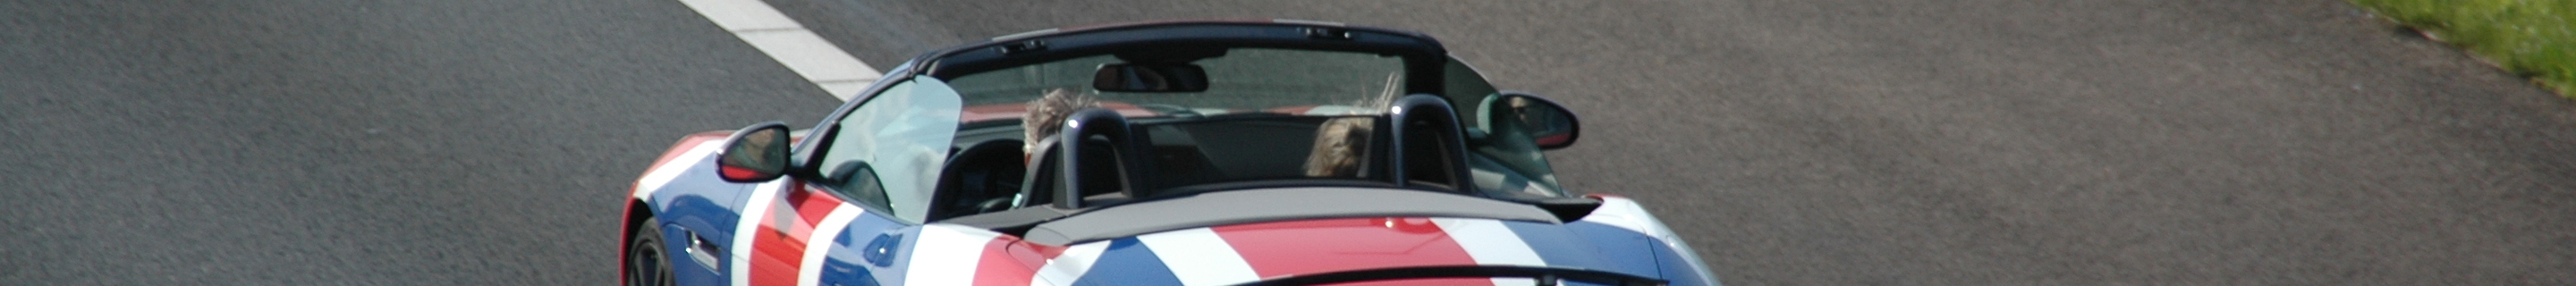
{"points": [[1557, 245], [1622, 250], [683, 270], [697, 201], [1128, 262], [853, 259], [1676, 269]]}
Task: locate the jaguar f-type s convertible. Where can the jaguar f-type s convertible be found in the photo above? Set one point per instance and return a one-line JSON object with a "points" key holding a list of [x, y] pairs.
{"points": [[1247, 152]]}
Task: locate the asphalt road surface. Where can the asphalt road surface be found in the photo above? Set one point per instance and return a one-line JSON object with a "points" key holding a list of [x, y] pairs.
{"points": [[1793, 142]]}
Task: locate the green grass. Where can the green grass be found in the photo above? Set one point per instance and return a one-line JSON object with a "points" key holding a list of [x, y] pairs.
{"points": [[2534, 38]]}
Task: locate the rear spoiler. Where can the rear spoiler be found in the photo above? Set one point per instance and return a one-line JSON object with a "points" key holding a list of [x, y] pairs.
{"points": [[1546, 276]]}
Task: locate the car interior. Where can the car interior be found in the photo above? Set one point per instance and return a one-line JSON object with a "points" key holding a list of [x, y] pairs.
{"points": [[1194, 119], [1177, 158]]}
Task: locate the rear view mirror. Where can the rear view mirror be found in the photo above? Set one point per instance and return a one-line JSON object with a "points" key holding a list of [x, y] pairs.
{"points": [[1550, 125], [1150, 77], [754, 154]]}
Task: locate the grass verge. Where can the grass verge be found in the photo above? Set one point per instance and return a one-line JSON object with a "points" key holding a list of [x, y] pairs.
{"points": [[2533, 38]]}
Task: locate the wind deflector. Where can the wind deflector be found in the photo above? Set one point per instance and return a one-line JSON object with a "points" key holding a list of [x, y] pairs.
{"points": [[1269, 205], [1545, 276], [1065, 43]]}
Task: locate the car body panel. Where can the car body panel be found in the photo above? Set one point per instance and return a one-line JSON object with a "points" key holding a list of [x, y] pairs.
{"points": [[806, 237]]}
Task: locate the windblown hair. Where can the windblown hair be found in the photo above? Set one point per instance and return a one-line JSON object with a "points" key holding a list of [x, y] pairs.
{"points": [[1341, 144], [1046, 115]]}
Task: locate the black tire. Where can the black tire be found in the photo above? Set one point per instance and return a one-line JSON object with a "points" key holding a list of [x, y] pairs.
{"points": [[648, 263]]}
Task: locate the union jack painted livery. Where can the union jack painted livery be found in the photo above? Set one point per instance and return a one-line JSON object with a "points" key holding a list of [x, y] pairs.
{"points": [[1233, 152]]}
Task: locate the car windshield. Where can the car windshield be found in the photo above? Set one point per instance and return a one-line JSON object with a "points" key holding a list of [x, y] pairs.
{"points": [[1264, 113]]}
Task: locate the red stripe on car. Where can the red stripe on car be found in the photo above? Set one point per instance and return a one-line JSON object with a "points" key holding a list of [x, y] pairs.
{"points": [[778, 248], [1331, 245]]}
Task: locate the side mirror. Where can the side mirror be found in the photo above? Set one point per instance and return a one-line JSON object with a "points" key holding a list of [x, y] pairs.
{"points": [[755, 154], [1150, 77], [1544, 121]]}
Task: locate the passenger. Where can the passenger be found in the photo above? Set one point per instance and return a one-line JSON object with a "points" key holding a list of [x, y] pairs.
{"points": [[1046, 116], [1341, 144]]}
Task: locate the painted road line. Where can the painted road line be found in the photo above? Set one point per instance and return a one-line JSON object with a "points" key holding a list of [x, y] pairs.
{"points": [[830, 68]]}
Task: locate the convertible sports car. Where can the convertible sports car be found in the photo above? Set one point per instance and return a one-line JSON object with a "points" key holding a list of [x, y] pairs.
{"points": [[1268, 152]]}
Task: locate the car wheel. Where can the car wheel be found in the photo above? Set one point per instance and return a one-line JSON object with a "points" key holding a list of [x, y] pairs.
{"points": [[647, 262]]}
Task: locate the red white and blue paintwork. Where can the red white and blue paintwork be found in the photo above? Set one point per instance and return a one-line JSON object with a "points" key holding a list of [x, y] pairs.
{"points": [[785, 233]]}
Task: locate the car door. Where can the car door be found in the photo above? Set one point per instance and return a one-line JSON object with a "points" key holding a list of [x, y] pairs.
{"points": [[874, 169]]}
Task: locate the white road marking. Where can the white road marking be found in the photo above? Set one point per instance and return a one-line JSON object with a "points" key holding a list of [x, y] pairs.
{"points": [[830, 68]]}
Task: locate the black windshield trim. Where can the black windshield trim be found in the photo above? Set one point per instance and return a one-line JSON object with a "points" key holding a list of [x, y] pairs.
{"points": [[1424, 56]]}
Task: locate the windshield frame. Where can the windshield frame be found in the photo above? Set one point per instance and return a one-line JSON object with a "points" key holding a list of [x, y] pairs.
{"points": [[1423, 57]]}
